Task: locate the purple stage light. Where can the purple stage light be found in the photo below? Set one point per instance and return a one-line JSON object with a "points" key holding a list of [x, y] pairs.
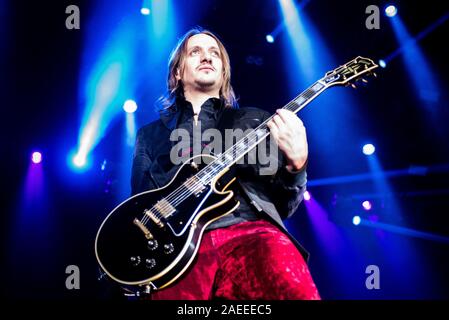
{"points": [[307, 196], [36, 157], [367, 205]]}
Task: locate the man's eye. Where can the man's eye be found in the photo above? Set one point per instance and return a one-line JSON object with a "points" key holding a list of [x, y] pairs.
{"points": [[195, 51], [215, 53]]}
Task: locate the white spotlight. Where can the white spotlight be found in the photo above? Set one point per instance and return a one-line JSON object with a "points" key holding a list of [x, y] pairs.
{"points": [[130, 106], [356, 220], [79, 161], [368, 149], [391, 11], [145, 11]]}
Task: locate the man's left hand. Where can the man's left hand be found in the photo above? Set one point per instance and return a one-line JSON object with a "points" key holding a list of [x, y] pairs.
{"points": [[290, 135]]}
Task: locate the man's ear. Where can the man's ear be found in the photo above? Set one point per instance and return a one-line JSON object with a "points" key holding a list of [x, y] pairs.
{"points": [[177, 74]]}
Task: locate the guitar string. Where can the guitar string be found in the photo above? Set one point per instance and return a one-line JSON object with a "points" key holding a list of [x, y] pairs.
{"points": [[252, 137], [180, 195]]}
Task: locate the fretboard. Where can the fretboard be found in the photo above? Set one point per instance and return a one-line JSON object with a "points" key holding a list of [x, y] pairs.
{"points": [[256, 136]]}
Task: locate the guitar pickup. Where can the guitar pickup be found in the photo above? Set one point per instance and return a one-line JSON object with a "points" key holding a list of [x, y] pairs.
{"points": [[153, 217], [164, 208], [194, 185]]}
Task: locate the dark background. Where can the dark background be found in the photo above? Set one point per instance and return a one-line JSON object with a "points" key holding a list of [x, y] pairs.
{"points": [[40, 63]]}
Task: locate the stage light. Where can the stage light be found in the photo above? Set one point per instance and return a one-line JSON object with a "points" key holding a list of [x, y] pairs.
{"points": [[36, 157], [382, 63], [79, 161], [270, 38], [368, 149], [130, 106], [103, 165], [356, 220], [391, 11], [307, 196], [145, 11], [367, 205]]}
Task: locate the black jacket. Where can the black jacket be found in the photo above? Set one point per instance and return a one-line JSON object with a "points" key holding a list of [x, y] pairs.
{"points": [[275, 197]]}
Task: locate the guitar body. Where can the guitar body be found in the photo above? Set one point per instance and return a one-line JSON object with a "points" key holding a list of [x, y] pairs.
{"points": [[160, 250]]}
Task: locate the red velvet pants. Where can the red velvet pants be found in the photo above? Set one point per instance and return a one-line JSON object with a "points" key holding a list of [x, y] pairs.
{"points": [[249, 260]]}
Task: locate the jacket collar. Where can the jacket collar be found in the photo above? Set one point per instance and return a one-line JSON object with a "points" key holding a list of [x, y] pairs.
{"points": [[170, 117]]}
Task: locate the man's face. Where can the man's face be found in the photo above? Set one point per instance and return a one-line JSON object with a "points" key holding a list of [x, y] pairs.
{"points": [[203, 67]]}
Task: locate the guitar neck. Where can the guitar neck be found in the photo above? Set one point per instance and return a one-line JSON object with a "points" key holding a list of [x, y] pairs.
{"points": [[256, 136]]}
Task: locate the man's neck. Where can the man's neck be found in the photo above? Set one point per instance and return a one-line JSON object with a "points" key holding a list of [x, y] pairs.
{"points": [[198, 98]]}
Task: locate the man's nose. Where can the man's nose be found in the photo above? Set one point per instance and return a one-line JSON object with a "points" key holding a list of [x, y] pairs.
{"points": [[206, 56]]}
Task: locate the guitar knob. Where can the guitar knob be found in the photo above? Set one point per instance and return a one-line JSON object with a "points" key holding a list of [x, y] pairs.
{"points": [[152, 244], [168, 248], [135, 260], [150, 263]]}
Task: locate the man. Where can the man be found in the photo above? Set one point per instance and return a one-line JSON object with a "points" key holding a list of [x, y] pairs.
{"points": [[247, 254]]}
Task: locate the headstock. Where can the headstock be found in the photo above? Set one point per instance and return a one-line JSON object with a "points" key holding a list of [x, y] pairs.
{"points": [[350, 72]]}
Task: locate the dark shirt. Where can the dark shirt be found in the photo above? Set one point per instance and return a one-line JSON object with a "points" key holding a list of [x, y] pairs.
{"points": [[207, 119]]}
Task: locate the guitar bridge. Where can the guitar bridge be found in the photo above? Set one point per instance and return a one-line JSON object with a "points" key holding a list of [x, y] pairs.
{"points": [[143, 228]]}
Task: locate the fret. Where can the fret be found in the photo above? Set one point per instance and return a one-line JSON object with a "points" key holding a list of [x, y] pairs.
{"points": [[228, 158], [308, 93], [261, 132], [317, 86], [299, 101]]}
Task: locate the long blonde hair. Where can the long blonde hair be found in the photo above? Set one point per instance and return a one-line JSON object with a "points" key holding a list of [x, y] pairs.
{"points": [[176, 61]]}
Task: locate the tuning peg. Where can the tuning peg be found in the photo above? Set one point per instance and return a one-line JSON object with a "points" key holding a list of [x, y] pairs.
{"points": [[364, 80], [353, 85], [374, 74]]}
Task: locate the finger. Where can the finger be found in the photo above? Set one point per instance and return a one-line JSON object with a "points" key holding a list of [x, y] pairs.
{"points": [[286, 131], [274, 130], [290, 118], [279, 122], [289, 121]]}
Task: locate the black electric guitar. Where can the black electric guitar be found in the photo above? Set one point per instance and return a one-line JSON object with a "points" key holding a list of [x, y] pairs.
{"points": [[150, 239]]}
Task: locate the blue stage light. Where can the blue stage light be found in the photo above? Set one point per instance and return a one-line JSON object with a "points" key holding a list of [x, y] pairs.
{"points": [[130, 106], [356, 220], [382, 63], [368, 149], [145, 11], [270, 38], [79, 161], [391, 11]]}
